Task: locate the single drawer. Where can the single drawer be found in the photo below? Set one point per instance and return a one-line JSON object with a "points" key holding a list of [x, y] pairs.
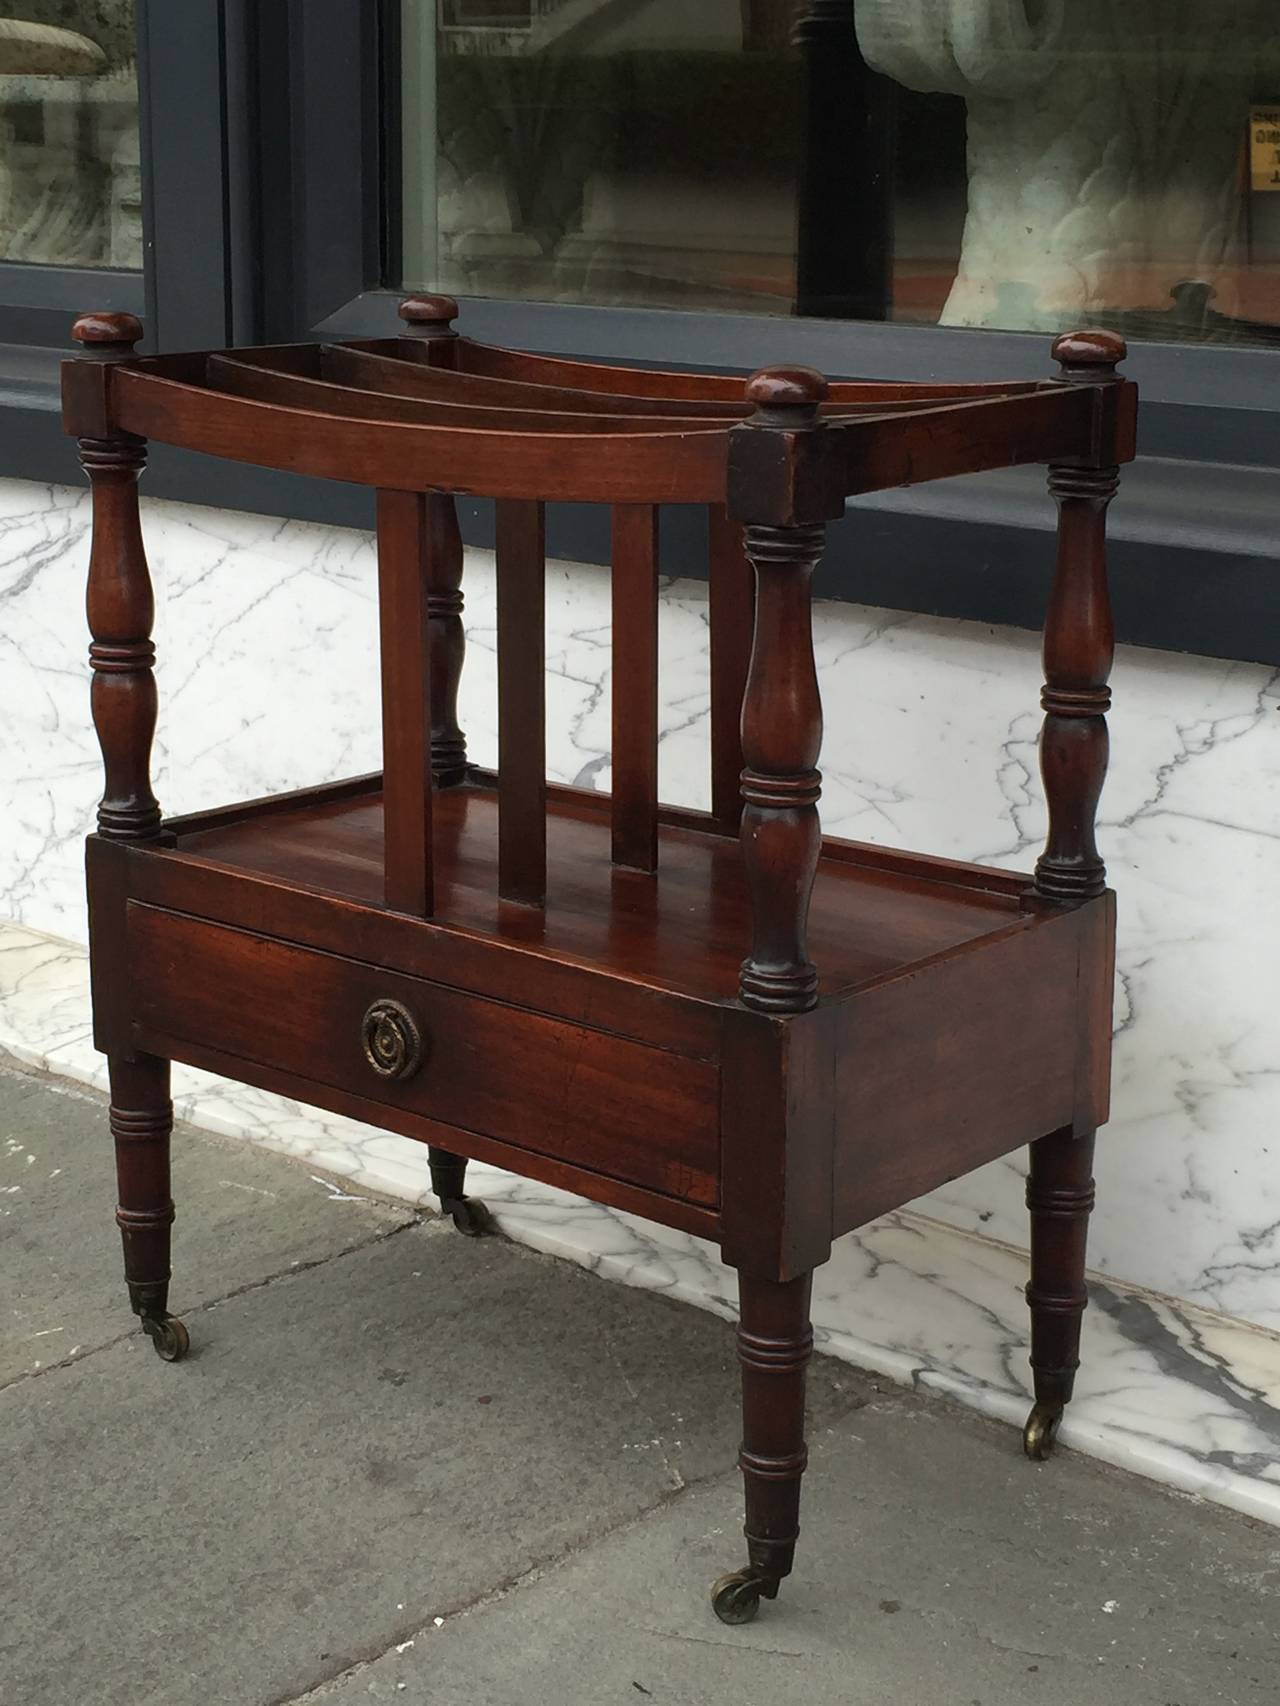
{"points": [[581, 1096]]}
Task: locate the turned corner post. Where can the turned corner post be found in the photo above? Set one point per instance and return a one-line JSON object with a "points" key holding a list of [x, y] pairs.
{"points": [[120, 603], [141, 1129], [428, 329], [1079, 637], [775, 1343], [1060, 1198], [121, 612], [447, 639], [778, 489]]}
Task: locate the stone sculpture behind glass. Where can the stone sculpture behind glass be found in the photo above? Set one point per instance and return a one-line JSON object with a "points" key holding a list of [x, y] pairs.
{"points": [[69, 173], [1105, 143]]}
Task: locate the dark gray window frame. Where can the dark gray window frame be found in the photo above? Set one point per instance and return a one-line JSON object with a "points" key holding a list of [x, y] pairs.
{"points": [[265, 220]]}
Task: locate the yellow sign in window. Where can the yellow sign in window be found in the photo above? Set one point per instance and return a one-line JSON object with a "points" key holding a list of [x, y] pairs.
{"points": [[1264, 148]]}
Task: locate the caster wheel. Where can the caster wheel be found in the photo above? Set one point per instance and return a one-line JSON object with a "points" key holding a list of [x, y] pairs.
{"points": [[1041, 1432], [169, 1338], [471, 1217], [736, 1598]]}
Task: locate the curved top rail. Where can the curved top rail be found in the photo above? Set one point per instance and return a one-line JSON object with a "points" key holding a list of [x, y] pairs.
{"points": [[430, 410], [401, 370], [322, 375], [242, 378], [494, 362], [684, 466]]}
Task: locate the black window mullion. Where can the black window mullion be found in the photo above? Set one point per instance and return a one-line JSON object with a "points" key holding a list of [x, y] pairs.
{"points": [[337, 54], [182, 67]]}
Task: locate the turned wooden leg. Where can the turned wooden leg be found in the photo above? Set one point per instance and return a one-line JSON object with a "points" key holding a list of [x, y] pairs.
{"points": [[1060, 1198], [448, 1179], [141, 1124], [775, 1342]]}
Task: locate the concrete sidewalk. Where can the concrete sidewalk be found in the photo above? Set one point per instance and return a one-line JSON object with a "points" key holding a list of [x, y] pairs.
{"points": [[402, 1465]]}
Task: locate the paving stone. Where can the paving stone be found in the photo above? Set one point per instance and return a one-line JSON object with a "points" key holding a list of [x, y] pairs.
{"points": [[243, 1215]]}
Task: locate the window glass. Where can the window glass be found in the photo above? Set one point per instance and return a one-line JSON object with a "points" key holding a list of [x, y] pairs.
{"points": [[1017, 164], [69, 176]]}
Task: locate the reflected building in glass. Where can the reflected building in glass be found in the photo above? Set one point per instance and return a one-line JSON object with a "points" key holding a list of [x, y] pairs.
{"points": [[70, 190], [1017, 164]]}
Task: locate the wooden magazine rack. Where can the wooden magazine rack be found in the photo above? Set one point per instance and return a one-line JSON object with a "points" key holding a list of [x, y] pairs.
{"points": [[721, 1021]]}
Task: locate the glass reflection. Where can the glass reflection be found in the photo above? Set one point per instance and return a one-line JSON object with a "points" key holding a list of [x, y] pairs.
{"points": [[69, 172], [1021, 164]]}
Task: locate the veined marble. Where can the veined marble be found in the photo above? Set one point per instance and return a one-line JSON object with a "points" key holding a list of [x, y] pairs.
{"points": [[267, 636]]}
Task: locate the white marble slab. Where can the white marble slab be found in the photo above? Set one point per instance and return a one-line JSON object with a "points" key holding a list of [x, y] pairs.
{"points": [[1167, 1390], [267, 643]]}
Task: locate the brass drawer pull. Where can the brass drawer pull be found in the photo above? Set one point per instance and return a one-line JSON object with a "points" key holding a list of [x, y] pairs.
{"points": [[392, 1041]]}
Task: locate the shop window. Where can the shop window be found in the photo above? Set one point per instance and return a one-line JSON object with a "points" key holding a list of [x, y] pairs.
{"points": [[69, 159], [1018, 165]]}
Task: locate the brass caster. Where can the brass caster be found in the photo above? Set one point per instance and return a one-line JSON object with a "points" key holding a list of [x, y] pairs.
{"points": [[168, 1336], [1041, 1432], [471, 1217], [735, 1598]]}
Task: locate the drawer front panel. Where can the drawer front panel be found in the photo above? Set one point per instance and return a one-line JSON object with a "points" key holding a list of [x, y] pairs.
{"points": [[581, 1096]]}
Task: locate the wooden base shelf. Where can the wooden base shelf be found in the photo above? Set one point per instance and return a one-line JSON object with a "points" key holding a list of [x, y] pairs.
{"points": [[680, 930]]}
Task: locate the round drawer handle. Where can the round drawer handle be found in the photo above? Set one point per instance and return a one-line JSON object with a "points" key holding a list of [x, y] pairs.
{"points": [[392, 1041]]}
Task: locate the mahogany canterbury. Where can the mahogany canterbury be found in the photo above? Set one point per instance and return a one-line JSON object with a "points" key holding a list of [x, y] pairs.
{"points": [[723, 1021]]}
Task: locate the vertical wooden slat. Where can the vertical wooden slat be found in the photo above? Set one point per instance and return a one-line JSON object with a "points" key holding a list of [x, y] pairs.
{"points": [[522, 709], [635, 686], [732, 593], [406, 701]]}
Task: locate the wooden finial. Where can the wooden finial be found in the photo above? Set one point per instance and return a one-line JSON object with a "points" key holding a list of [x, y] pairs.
{"points": [[428, 317], [786, 397], [785, 468], [108, 336], [1090, 356]]}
